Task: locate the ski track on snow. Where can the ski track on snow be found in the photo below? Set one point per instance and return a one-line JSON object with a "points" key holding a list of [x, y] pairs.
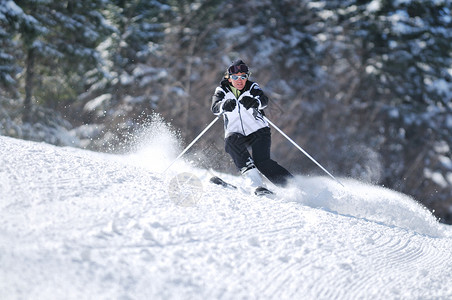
{"points": [[81, 225]]}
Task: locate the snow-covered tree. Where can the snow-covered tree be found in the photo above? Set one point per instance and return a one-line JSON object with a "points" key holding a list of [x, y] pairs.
{"points": [[10, 15], [58, 39], [127, 84], [139, 29], [364, 85], [391, 62]]}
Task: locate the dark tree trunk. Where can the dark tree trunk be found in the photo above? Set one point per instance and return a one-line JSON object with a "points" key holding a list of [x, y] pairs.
{"points": [[27, 114]]}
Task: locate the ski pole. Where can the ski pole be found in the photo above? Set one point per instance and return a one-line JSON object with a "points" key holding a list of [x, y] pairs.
{"points": [[302, 150], [194, 141]]}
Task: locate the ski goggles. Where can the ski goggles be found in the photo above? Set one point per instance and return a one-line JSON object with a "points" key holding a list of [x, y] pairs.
{"points": [[238, 69], [236, 77]]}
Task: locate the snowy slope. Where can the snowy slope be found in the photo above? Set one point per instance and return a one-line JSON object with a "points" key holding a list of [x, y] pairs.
{"points": [[81, 225]]}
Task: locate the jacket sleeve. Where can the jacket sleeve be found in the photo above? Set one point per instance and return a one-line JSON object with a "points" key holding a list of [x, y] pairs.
{"points": [[217, 101], [258, 93]]}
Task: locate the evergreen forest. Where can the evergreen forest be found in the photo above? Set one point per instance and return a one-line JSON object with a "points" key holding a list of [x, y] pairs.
{"points": [[364, 86]]}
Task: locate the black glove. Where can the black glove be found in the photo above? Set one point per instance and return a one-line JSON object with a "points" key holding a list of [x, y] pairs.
{"points": [[229, 105], [249, 102]]}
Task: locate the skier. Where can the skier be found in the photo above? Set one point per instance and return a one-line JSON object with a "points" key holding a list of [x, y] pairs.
{"points": [[241, 102]]}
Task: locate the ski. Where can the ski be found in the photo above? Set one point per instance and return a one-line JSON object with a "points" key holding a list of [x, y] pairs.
{"points": [[219, 181], [260, 191]]}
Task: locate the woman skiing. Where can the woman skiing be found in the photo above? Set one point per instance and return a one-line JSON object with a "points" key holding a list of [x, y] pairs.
{"points": [[241, 102]]}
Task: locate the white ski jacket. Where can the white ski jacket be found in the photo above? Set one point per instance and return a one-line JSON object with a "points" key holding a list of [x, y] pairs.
{"points": [[240, 120]]}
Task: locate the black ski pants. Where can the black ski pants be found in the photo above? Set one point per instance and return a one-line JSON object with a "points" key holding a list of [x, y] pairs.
{"points": [[259, 142]]}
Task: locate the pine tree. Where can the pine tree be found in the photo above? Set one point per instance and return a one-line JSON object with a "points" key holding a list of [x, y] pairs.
{"points": [[391, 63], [10, 15], [404, 46], [127, 82], [138, 32], [58, 39], [8, 68]]}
